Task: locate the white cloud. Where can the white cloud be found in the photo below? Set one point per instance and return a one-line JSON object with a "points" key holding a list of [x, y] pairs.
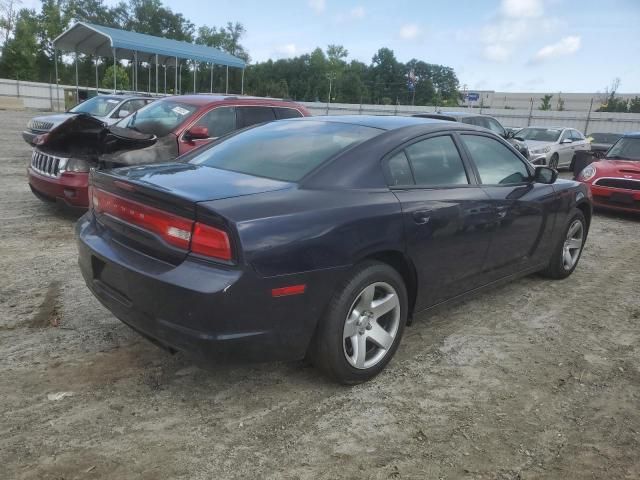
{"points": [[357, 12], [521, 8], [318, 6], [497, 53], [566, 46], [286, 50], [409, 31]]}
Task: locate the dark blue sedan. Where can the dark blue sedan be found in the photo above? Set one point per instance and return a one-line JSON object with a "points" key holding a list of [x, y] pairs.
{"points": [[322, 237]]}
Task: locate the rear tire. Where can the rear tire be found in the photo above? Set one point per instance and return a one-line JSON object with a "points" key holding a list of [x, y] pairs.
{"points": [[362, 327], [566, 254]]}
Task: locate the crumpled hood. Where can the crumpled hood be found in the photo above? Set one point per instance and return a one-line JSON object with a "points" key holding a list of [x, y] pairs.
{"points": [[84, 136]]}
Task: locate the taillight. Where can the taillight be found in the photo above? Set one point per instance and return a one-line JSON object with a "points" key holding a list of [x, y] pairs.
{"points": [[175, 230], [210, 241]]}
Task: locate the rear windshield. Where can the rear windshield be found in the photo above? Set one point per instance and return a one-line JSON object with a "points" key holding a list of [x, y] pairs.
{"points": [[539, 134], [159, 118], [285, 150], [627, 148], [604, 137], [97, 106]]}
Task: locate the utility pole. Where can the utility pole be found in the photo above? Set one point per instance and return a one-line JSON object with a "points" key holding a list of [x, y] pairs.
{"points": [[331, 77]]}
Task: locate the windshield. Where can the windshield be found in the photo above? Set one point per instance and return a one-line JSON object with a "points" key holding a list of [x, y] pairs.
{"points": [[539, 134], [159, 118], [627, 148], [96, 106], [604, 137], [284, 150]]}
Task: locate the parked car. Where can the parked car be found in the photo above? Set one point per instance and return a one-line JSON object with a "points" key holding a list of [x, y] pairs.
{"points": [[511, 131], [322, 236], [479, 120], [601, 142], [159, 132], [107, 108], [554, 146], [615, 180]]}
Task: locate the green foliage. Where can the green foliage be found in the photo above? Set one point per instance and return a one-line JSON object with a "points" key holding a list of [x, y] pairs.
{"points": [[614, 104], [29, 55], [545, 102], [122, 78], [634, 105]]}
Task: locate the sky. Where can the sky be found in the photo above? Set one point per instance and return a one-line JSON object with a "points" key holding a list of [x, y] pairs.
{"points": [[545, 46]]}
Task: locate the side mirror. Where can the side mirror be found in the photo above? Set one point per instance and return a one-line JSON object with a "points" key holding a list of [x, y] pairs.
{"points": [[197, 132], [567, 140], [544, 174], [123, 113]]}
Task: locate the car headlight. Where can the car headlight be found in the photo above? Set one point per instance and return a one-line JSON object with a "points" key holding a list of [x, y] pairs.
{"points": [[77, 165], [542, 150], [587, 173]]}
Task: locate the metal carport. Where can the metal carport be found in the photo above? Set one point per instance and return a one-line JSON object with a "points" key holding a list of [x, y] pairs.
{"points": [[100, 41]]}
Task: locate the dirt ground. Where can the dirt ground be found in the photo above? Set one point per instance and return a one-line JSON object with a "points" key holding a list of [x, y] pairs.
{"points": [[538, 379]]}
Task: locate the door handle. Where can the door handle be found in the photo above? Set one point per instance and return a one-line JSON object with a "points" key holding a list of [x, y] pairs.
{"points": [[421, 217]]}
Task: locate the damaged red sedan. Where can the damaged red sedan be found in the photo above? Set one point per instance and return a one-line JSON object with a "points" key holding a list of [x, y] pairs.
{"points": [[615, 180], [159, 132]]}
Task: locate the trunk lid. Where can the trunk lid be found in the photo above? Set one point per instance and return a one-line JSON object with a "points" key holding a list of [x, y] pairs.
{"points": [[136, 195]]}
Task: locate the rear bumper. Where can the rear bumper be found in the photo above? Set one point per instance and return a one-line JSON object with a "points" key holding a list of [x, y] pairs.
{"points": [[602, 198], [210, 312], [69, 189]]}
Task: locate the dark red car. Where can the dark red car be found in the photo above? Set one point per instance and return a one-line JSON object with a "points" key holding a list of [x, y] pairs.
{"points": [[615, 180], [159, 132]]}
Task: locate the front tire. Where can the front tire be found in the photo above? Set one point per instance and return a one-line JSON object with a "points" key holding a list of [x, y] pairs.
{"points": [[567, 252], [553, 161], [362, 327]]}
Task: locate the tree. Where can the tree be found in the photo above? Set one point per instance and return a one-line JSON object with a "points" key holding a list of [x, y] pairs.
{"points": [[634, 105], [545, 102], [560, 103], [611, 102], [19, 55], [8, 16], [122, 78]]}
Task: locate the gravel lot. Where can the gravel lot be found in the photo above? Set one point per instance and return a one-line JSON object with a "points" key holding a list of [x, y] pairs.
{"points": [[538, 379]]}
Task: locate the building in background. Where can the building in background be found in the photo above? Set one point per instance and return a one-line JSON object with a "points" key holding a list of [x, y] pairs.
{"points": [[577, 102]]}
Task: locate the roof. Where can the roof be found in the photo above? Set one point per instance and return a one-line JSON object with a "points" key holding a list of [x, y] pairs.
{"points": [[383, 122], [631, 135], [206, 99], [98, 40]]}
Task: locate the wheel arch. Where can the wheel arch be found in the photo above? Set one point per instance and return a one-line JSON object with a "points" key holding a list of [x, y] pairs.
{"points": [[404, 266], [586, 211]]}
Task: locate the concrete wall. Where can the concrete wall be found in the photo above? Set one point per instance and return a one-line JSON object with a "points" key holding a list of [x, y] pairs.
{"points": [[33, 95], [597, 121]]}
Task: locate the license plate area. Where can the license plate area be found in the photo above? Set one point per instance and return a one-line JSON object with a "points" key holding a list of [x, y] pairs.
{"points": [[110, 280], [623, 198]]}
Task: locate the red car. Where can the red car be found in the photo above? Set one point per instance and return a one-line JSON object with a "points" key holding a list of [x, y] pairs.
{"points": [[615, 180], [159, 132]]}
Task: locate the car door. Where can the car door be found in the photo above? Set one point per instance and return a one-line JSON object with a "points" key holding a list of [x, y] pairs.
{"points": [[219, 121], [447, 216], [251, 115], [565, 148], [522, 209], [579, 141]]}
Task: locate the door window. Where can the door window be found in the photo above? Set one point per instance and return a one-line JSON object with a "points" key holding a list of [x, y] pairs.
{"points": [[565, 135], [218, 121], [494, 126], [496, 164], [248, 116], [576, 136], [436, 162]]}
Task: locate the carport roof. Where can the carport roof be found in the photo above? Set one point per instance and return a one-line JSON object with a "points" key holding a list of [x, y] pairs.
{"points": [[98, 40]]}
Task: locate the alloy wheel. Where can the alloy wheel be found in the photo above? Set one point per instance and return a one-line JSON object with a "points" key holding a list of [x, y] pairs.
{"points": [[371, 325], [573, 245]]}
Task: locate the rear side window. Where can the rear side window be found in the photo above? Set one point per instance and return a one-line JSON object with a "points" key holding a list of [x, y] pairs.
{"points": [[285, 150], [218, 121], [436, 162], [576, 135], [496, 164], [399, 170], [248, 116], [282, 113], [494, 126]]}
